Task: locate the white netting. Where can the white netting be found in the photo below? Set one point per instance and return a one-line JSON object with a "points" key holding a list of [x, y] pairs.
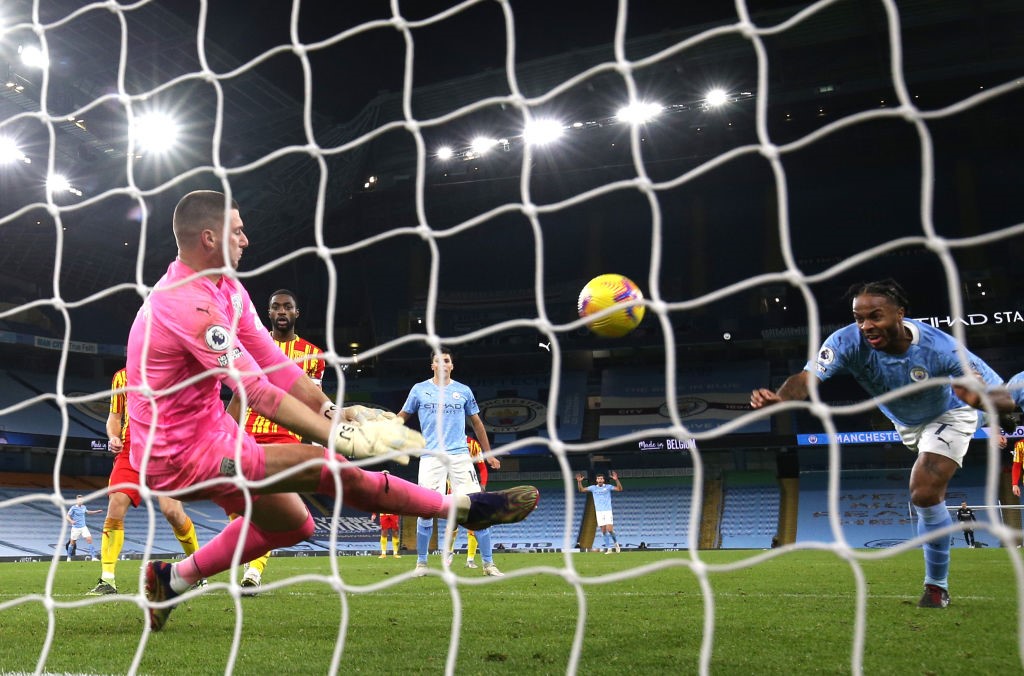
{"points": [[312, 167]]}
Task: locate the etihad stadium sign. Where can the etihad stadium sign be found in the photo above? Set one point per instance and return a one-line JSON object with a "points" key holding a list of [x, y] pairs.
{"points": [[944, 322], [975, 319]]}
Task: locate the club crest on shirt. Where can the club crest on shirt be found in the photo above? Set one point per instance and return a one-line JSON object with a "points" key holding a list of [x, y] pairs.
{"points": [[218, 338], [918, 373], [456, 395], [826, 356], [236, 304]]}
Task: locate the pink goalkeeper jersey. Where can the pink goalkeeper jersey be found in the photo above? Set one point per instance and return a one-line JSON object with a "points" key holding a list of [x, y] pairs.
{"points": [[190, 335]]}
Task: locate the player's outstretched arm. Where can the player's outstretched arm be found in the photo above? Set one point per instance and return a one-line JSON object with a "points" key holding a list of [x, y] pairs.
{"points": [[795, 387], [1001, 399], [353, 440]]}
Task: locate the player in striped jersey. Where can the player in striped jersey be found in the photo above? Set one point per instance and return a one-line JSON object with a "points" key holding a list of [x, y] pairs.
{"points": [[121, 496], [1015, 385], [1018, 460], [283, 311]]}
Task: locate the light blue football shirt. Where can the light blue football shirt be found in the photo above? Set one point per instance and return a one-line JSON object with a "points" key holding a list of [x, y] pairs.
{"points": [[1016, 386], [602, 496], [932, 354], [77, 515], [455, 402]]}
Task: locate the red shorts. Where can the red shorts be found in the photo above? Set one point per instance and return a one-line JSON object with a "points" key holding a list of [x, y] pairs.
{"points": [[124, 473], [388, 521]]}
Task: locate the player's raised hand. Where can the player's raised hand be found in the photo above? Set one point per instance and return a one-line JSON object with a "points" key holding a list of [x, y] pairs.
{"points": [[377, 437], [762, 397]]}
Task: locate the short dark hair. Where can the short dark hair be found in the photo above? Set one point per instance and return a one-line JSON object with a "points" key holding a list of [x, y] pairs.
{"points": [[284, 292], [198, 210], [888, 287], [444, 349]]}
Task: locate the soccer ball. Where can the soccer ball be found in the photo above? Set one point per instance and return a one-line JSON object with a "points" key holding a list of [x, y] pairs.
{"points": [[605, 291]]}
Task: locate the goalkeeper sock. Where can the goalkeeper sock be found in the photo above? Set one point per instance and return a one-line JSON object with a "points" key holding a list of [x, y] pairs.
{"points": [[215, 556], [384, 545], [471, 547], [186, 536], [110, 547], [381, 492], [394, 544], [936, 550]]}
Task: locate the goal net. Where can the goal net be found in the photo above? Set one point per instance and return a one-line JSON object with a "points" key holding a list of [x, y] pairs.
{"points": [[453, 173]]}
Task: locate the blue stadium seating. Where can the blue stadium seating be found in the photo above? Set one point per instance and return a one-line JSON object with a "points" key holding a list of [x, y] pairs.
{"points": [[750, 517], [658, 516]]}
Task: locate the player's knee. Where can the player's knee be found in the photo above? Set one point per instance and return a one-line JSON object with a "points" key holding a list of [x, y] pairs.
{"points": [[174, 514], [305, 531], [925, 496]]}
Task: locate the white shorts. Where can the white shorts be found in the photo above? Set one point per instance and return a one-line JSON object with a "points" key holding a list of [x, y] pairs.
{"points": [[436, 472], [947, 435], [604, 518], [81, 532]]}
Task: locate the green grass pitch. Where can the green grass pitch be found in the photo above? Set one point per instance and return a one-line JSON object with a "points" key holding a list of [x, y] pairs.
{"points": [[794, 613]]}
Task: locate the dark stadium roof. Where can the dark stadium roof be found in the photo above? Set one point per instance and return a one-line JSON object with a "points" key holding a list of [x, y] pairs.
{"points": [[850, 190]]}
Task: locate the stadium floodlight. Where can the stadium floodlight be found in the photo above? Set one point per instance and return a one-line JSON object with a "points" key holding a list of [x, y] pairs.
{"points": [[33, 57], [716, 98], [155, 132], [481, 144], [58, 183], [540, 132], [10, 153], [639, 112], [444, 153]]}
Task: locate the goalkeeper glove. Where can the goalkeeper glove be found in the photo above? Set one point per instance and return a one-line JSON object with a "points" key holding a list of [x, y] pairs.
{"points": [[363, 414], [377, 437], [357, 413]]}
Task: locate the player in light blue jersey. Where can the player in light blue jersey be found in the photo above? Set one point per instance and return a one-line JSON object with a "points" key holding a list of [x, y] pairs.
{"points": [[884, 351], [602, 493], [442, 406], [1011, 421], [76, 517]]}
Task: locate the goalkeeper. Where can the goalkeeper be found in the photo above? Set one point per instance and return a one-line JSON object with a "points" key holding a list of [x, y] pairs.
{"points": [[198, 329], [884, 351]]}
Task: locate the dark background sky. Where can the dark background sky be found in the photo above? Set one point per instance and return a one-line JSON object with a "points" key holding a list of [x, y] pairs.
{"points": [[848, 191]]}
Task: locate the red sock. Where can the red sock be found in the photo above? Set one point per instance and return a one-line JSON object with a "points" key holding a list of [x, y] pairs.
{"points": [[380, 492]]}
